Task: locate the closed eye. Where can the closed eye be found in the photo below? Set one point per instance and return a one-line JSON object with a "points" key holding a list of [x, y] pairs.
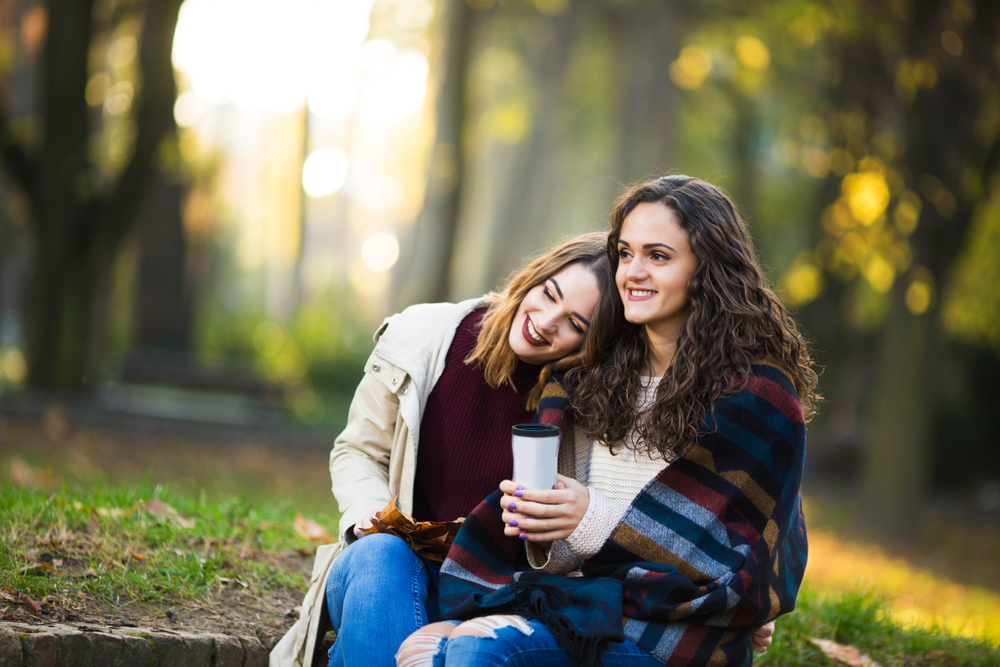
{"points": [[576, 327], [547, 293]]}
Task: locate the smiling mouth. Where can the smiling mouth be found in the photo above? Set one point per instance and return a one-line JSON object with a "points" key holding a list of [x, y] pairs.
{"points": [[531, 335], [640, 294]]}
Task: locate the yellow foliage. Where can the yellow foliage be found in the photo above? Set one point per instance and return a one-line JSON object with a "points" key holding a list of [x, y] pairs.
{"points": [[879, 272], [867, 195], [907, 212], [752, 53], [803, 282], [691, 67]]}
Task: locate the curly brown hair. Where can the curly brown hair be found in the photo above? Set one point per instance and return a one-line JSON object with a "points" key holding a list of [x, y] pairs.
{"points": [[492, 347], [733, 318]]}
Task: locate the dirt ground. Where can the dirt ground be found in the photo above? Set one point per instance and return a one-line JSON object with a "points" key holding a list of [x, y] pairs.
{"points": [[259, 472], [231, 610]]}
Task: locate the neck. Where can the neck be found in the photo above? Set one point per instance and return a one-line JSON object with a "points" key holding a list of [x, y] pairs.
{"points": [[662, 346]]}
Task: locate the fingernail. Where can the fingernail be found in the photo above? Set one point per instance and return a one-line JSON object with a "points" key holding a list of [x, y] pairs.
{"points": [[513, 522], [520, 488], [518, 494], [523, 536], [512, 506], [528, 517]]}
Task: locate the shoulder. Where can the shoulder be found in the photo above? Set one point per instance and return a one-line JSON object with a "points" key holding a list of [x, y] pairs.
{"points": [[420, 327], [771, 385]]}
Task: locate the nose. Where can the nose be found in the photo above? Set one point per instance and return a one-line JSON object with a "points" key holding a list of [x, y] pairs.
{"points": [[547, 320], [636, 270]]}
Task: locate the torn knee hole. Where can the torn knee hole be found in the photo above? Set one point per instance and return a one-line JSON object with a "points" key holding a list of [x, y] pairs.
{"points": [[487, 626]]}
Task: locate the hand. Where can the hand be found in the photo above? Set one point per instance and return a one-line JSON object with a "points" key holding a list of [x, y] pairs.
{"points": [[762, 638], [543, 516], [366, 522]]}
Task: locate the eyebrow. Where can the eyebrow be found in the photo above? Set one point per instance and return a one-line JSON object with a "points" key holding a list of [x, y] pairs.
{"points": [[647, 246], [578, 315]]}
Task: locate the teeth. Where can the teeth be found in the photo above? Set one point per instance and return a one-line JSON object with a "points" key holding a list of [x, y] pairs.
{"points": [[642, 292], [534, 334]]}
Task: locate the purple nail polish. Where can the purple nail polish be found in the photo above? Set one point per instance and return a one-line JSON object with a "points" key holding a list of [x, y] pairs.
{"points": [[523, 536], [518, 494], [513, 522], [520, 488], [512, 506], [528, 517]]}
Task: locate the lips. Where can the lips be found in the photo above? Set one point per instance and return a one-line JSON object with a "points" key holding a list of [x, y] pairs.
{"points": [[527, 329], [640, 294]]}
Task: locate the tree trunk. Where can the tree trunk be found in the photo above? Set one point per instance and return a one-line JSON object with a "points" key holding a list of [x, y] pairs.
{"points": [[899, 435], [428, 270], [77, 231], [163, 307]]}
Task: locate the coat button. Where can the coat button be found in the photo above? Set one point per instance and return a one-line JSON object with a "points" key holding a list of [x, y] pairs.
{"points": [[376, 368], [405, 389], [395, 380]]}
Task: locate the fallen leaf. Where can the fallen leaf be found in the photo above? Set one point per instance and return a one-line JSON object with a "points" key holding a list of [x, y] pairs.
{"points": [[21, 473], [844, 654], [428, 539], [138, 555], [311, 530], [162, 510], [17, 597]]}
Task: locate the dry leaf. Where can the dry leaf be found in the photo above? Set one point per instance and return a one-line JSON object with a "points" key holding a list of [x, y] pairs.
{"points": [[844, 654], [17, 597], [311, 530], [138, 555], [429, 539], [161, 510]]}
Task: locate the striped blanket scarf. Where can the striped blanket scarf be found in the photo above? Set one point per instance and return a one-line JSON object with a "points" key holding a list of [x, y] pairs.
{"points": [[711, 549]]}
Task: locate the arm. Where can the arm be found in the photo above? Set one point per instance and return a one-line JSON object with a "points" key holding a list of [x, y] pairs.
{"points": [[359, 462]]}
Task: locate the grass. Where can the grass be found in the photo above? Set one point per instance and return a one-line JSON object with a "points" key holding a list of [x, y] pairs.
{"points": [[145, 543], [864, 620], [149, 544]]}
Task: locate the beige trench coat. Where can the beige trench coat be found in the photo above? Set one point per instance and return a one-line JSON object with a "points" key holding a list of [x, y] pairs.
{"points": [[374, 458]]}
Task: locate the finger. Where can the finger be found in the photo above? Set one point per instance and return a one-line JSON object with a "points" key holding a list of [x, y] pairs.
{"points": [[508, 486], [546, 496], [766, 630]]}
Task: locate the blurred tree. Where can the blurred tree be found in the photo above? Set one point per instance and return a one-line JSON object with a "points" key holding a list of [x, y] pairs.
{"points": [[917, 146], [427, 267], [80, 209]]}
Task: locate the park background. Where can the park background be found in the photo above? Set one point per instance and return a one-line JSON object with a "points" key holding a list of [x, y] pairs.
{"points": [[206, 207]]}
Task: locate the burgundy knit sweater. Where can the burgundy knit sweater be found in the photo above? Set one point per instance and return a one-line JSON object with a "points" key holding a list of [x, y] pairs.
{"points": [[464, 448]]}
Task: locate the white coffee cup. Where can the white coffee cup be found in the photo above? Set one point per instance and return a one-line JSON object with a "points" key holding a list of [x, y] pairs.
{"points": [[536, 455]]}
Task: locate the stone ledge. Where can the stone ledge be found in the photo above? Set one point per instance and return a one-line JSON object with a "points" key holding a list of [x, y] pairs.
{"points": [[24, 645]]}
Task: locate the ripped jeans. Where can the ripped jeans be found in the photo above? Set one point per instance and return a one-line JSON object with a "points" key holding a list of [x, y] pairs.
{"points": [[506, 641], [378, 592]]}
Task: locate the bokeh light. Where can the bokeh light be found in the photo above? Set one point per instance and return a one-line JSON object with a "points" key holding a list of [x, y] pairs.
{"points": [[380, 251], [189, 108], [324, 171]]}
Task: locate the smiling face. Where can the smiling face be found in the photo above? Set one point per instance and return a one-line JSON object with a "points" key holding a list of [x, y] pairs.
{"points": [[554, 317], [655, 262]]}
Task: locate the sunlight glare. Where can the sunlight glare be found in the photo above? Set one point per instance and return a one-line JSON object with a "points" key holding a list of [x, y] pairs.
{"points": [[324, 171], [273, 55], [395, 86]]}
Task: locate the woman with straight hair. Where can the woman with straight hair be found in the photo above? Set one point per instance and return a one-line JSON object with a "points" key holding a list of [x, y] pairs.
{"points": [[675, 532], [430, 424]]}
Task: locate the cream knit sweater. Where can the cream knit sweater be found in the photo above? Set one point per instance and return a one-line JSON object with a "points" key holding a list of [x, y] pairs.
{"points": [[613, 480]]}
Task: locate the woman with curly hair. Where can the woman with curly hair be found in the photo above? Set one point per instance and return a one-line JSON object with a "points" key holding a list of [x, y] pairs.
{"points": [[678, 516]]}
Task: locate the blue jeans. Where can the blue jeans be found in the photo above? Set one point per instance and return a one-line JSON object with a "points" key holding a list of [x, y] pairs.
{"points": [[378, 592], [512, 648]]}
